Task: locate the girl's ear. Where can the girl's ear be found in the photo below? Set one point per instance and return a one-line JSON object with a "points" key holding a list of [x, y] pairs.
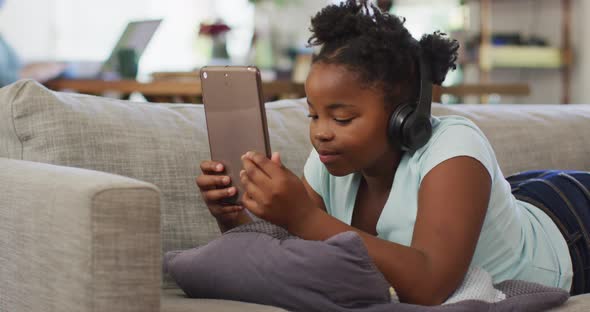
{"points": [[392, 101], [400, 94]]}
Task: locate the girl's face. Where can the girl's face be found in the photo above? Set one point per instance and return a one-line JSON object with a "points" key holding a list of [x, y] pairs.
{"points": [[348, 122]]}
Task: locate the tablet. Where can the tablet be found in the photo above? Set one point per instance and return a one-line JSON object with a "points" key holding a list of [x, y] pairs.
{"points": [[235, 116]]}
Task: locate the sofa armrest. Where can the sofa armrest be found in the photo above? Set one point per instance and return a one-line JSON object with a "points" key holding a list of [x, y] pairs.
{"points": [[77, 240]]}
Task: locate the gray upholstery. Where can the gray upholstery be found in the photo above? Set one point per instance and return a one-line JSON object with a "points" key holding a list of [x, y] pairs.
{"points": [[162, 144], [77, 240], [580, 303]]}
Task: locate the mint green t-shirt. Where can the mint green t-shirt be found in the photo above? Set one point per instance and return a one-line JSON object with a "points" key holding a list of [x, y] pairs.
{"points": [[517, 240]]}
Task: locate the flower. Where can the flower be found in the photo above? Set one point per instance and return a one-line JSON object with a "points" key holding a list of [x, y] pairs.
{"points": [[214, 29]]}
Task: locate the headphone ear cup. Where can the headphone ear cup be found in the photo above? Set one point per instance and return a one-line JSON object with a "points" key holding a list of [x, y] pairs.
{"points": [[408, 130], [395, 129], [417, 131]]}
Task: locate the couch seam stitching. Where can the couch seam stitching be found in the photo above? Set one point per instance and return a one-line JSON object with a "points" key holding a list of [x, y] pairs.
{"points": [[125, 188], [17, 93]]}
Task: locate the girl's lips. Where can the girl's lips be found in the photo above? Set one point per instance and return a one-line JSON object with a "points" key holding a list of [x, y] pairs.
{"points": [[328, 158]]}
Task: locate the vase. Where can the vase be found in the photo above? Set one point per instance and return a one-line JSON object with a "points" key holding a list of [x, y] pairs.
{"points": [[219, 48], [263, 45]]}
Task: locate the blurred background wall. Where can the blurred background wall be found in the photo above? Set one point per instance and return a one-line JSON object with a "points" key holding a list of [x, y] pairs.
{"points": [[87, 30]]}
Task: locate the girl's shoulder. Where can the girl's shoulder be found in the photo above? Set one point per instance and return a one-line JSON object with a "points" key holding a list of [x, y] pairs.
{"points": [[454, 136], [453, 128], [440, 123]]}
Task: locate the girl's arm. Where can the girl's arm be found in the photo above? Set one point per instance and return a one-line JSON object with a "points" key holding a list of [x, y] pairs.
{"points": [[315, 197], [452, 204]]}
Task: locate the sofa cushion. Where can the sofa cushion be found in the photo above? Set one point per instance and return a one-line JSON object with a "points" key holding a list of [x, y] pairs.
{"points": [[532, 137], [158, 143], [174, 300], [579, 303]]}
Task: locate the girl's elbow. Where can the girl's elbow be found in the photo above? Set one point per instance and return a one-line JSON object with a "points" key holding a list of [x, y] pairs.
{"points": [[433, 299], [428, 296], [425, 300]]}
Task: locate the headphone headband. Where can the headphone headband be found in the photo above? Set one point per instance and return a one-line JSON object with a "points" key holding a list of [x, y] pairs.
{"points": [[425, 92], [409, 124]]}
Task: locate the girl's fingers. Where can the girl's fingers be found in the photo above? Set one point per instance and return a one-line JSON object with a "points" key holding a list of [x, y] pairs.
{"points": [[250, 204], [225, 210], [212, 196], [255, 193], [209, 182], [268, 166], [208, 166], [254, 171], [276, 158]]}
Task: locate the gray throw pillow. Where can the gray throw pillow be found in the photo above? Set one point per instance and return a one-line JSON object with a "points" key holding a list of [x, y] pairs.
{"points": [[262, 263]]}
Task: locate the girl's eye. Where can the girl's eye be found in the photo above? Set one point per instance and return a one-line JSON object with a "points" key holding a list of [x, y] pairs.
{"points": [[344, 121], [340, 121]]}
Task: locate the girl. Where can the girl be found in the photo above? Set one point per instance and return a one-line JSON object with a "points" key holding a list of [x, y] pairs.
{"points": [[425, 213]]}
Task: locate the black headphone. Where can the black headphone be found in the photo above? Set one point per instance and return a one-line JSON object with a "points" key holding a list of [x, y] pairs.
{"points": [[409, 125]]}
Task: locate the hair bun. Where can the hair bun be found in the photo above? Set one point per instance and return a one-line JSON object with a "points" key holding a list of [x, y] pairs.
{"points": [[340, 22], [442, 52]]}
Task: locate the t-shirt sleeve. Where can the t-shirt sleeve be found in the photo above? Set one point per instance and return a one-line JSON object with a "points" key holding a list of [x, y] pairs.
{"points": [[458, 140], [315, 172]]}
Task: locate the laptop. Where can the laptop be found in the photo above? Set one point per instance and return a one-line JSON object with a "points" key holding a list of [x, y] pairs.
{"points": [[137, 35]]}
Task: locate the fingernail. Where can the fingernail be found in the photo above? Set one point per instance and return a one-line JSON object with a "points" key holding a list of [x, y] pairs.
{"points": [[231, 190], [249, 154], [242, 172], [225, 180], [219, 167]]}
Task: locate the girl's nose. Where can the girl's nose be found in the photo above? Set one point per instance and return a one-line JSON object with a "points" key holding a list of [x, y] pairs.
{"points": [[323, 134]]}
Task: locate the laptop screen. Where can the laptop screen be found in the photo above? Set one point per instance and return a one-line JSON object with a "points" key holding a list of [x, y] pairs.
{"points": [[137, 36]]}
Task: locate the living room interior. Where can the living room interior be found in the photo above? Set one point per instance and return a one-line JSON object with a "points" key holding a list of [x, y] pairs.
{"points": [[532, 52], [103, 129]]}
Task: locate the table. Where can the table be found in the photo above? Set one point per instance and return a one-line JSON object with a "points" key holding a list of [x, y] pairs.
{"points": [[189, 90], [167, 91]]}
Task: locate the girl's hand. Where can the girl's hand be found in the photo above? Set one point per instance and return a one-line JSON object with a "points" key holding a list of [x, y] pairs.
{"points": [[216, 187], [272, 192]]}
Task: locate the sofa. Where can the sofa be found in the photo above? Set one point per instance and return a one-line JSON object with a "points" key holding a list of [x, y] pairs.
{"points": [[95, 190]]}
